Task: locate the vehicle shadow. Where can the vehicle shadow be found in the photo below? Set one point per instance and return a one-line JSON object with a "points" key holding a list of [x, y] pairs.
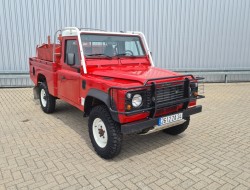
{"points": [[133, 145]]}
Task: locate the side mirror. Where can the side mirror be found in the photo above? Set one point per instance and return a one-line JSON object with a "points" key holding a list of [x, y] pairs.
{"points": [[151, 53], [70, 58]]}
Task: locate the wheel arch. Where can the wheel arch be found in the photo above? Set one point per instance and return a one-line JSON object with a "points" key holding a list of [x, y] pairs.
{"points": [[98, 97], [41, 78]]}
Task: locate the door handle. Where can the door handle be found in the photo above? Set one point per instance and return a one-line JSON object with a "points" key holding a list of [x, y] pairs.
{"points": [[63, 78]]}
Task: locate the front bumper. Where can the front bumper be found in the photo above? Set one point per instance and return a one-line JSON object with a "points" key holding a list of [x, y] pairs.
{"points": [[139, 126]]}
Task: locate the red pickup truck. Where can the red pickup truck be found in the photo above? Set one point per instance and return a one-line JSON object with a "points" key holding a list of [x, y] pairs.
{"points": [[110, 77]]}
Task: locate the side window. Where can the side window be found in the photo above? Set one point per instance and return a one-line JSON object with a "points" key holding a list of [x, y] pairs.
{"points": [[71, 46]]}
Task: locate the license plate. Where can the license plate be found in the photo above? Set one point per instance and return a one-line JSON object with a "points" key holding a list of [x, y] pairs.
{"points": [[170, 119]]}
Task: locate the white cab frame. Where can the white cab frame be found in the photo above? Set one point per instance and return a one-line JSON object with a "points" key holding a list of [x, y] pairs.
{"points": [[74, 31]]}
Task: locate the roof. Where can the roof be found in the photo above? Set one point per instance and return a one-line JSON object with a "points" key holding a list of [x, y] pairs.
{"points": [[73, 31]]}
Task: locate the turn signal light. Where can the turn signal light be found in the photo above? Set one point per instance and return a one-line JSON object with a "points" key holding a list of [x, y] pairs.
{"points": [[129, 107], [195, 94]]}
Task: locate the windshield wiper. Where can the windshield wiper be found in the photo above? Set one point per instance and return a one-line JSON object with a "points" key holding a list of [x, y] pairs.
{"points": [[124, 54], [99, 54], [121, 54]]}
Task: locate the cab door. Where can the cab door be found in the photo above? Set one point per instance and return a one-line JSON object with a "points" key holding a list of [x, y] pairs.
{"points": [[69, 75]]}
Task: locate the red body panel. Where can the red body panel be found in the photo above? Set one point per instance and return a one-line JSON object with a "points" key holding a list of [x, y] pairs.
{"points": [[136, 72], [47, 69], [65, 82]]}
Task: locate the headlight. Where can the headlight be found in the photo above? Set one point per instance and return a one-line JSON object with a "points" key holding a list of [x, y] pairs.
{"points": [[136, 100]]}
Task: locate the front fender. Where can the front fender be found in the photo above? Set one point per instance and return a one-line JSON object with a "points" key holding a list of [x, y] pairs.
{"points": [[103, 97]]}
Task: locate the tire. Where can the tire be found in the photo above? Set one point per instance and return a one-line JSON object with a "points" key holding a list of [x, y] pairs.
{"points": [[47, 101], [104, 132], [178, 129]]}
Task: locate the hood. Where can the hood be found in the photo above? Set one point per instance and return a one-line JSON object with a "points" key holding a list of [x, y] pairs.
{"points": [[138, 73]]}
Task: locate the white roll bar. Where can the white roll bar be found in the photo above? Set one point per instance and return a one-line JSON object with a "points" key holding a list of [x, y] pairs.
{"points": [[74, 31], [70, 31]]}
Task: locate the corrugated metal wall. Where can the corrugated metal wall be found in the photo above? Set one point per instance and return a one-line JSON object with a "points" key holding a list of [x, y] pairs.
{"points": [[187, 35]]}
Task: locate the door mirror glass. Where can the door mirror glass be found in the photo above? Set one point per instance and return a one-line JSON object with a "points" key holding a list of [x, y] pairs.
{"points": [[70, 58]]}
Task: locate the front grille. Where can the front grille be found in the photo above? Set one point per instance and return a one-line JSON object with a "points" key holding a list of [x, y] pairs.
{"points": [[169, 92]]}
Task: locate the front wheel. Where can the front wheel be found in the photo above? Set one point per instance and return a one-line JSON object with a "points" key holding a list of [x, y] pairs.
{"points": [[47, 101], [104, 132], [176, 130]]}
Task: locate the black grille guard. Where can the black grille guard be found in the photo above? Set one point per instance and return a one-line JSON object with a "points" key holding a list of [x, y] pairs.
{"points": [[152, 87]]}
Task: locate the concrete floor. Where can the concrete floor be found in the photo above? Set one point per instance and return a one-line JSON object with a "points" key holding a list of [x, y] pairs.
{"points": [[40, 151]]}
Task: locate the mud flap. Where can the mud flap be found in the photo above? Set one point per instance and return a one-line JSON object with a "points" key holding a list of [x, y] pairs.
{"points": [[36, 92]]}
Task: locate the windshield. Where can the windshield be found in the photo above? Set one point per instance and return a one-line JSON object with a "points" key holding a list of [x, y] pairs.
{"points": [[111, 45]]}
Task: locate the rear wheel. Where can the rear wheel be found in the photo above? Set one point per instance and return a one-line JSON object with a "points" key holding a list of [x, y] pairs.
{"points": [[104, 132], [47, 101], [176, 130]]}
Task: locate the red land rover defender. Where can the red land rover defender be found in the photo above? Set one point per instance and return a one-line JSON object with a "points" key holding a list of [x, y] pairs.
{"points": [[110, 77]]}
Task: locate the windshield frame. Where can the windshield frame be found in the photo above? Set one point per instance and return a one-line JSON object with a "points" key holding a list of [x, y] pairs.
{"points": [[143, 49]]}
